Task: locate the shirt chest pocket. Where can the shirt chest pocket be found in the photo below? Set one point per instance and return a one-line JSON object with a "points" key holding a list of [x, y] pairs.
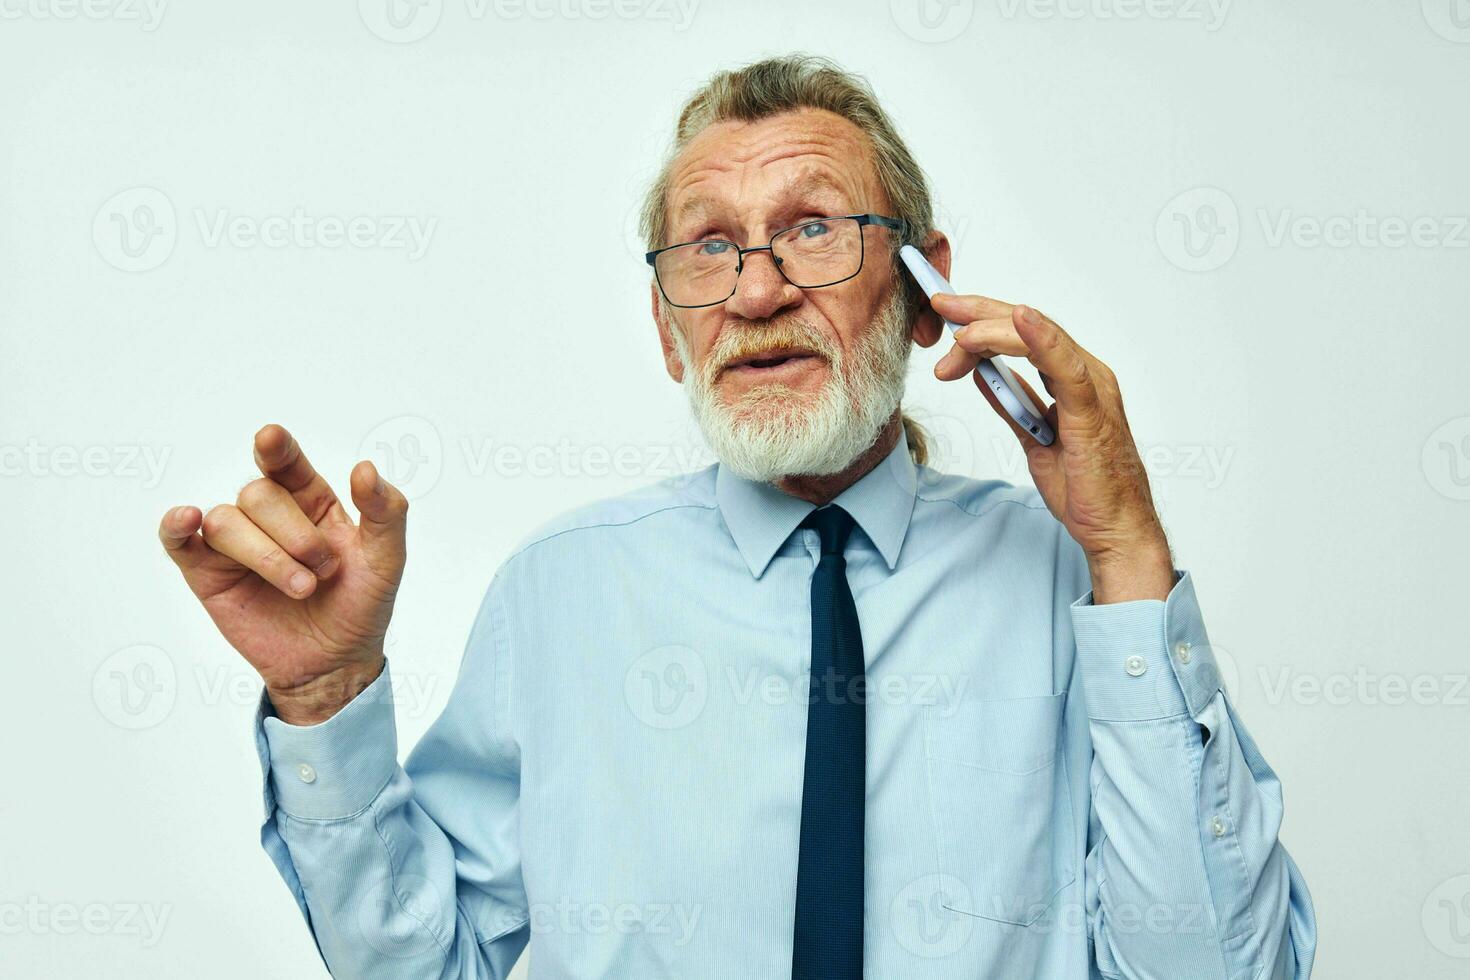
{"points": [[1001, 806]]}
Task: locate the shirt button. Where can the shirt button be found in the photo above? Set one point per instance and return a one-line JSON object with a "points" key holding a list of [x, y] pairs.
{"points": [[306, 773], [1135, 665], [1217, 826], [1181, 650]]}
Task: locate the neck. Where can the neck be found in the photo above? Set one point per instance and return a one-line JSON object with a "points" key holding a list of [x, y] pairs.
{"points": [[824, 489]]}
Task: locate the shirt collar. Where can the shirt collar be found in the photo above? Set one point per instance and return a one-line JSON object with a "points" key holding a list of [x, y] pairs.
{"points": [[761, 517]]}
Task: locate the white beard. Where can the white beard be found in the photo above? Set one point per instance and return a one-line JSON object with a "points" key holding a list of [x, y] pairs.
{"points": [[768, 434]]}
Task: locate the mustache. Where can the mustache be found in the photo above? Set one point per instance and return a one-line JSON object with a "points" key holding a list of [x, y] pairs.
{"points": [[743, 341]]}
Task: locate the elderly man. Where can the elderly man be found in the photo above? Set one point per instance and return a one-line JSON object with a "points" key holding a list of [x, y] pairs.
{"points": [[815, 711]]}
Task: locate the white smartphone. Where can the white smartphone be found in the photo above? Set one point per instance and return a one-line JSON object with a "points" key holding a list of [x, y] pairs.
{"points": [[998, 377]]}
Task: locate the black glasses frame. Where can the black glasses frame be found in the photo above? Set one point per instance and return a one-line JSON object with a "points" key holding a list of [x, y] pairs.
{"points": [[863, 220]]}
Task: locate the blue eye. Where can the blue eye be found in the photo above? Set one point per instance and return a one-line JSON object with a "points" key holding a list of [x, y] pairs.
{"points": [[715, 248], [815, 229]]}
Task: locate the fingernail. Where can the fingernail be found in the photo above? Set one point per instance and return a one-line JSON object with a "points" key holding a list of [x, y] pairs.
{"points": [[300, 582], [327, 567], [1030, 315], [378, 484]]}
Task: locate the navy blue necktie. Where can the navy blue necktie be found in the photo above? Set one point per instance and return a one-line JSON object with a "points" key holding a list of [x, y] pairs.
{"points": [[829, 876]]}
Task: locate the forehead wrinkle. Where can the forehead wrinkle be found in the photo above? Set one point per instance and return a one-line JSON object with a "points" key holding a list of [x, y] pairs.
{"points": [[751, 147], [807, 182]]}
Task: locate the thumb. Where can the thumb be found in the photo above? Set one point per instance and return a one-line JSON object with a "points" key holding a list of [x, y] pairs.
{"points": [[384, 511]]}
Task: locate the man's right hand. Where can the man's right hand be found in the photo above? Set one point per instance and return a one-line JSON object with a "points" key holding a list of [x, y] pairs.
{"points": [[304, 594]]}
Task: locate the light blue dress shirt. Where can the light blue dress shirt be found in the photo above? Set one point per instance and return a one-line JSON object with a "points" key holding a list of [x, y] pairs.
{"points": [[1055, 789]]}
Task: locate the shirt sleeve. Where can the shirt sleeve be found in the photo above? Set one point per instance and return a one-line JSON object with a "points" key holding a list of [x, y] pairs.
{"points": [[390, 882], [1186, 875]]}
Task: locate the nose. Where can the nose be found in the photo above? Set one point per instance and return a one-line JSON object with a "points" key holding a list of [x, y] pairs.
{"points": [[761, 291]]}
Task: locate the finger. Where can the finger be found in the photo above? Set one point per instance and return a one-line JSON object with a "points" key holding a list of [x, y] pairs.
{"points": [[998, 335], [384, 512], [228, 531], [981, 338], [273, 509], [280, 458], [962, 308], [956, 363], [178, 532], [176, 528], [206, 571], [1060, 360]]}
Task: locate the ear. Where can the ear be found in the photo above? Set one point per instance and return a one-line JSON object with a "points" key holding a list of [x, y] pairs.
{"points": [[672, 364], [929, 326]]}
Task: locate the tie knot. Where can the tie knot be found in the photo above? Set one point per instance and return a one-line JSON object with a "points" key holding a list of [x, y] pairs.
{"points": [[833, 525]]}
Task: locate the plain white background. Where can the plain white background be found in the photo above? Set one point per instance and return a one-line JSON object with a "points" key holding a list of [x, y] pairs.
{"points": [[1256, 213]]}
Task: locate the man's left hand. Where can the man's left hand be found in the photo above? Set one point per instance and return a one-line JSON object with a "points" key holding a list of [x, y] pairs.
{"points": [[1091, 477]]}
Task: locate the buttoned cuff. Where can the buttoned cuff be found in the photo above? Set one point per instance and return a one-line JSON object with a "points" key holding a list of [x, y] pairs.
{"points": [[1148, 658], [334, 769]]}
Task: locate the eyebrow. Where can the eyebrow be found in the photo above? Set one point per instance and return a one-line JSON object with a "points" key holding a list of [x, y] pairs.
{"points": [[800, 186]]}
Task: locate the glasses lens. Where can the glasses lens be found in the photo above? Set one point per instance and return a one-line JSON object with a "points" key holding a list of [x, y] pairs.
{"points": [[819, 253], [698, 274]]}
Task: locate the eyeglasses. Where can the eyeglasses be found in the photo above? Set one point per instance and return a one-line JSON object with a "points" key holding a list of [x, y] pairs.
{"points": [[810, 255]]}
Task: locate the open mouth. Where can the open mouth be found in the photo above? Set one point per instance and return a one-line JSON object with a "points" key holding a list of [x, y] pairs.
{"points": [[773, 361]]}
